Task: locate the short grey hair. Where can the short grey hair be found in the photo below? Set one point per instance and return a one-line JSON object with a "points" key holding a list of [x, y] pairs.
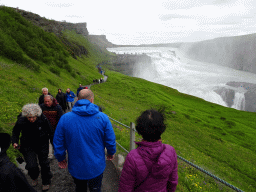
{"points": [[51, 97], [44, 88], [31, 109]]}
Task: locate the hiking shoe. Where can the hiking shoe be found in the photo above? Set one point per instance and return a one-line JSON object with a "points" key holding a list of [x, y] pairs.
{"points": [[34, 182], [46, 187]]}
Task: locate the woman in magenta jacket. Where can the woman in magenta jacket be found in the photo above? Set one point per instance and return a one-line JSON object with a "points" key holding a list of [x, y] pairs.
{"points": [[153, 165]]}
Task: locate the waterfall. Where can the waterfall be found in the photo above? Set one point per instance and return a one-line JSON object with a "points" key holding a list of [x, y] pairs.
{"points": [[239, 101]]}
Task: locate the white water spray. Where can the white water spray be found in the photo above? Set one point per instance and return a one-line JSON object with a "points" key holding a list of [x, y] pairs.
{"points": [[239, 101], [170, 68]]}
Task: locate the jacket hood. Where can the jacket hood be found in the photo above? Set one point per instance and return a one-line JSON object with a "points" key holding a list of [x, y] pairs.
{"points": [[84, 107], [5, 141], [156, 157]]}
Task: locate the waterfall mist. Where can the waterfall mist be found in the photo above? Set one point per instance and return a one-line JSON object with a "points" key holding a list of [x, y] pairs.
{"points": [[208, 81]]}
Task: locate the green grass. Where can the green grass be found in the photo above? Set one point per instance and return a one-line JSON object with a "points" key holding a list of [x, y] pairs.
{"points": [[219, 139]]}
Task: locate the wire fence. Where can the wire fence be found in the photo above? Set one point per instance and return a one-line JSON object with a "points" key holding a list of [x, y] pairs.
{"points": [[132, 130]]}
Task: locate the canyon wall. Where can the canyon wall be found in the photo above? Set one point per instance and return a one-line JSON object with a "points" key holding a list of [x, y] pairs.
{"points": [[237, 52]]}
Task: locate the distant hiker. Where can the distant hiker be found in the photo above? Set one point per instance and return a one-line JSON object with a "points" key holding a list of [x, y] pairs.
{"points": [[61, 98], [11, 177], [84, 133], [79, 89], [153, 165], [34, 142], [41, 98], [101, 80], [70, 98]]}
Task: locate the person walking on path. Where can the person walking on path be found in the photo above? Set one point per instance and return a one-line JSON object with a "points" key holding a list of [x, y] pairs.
{"points": [[152, 167], [61, 98], [79, 89], [53, 111], [41, 98], [85, 133], [70, 98], [11, 177], [34, 142]]}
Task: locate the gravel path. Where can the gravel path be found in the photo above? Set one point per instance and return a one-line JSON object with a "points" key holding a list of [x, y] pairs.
{"points": [[62, 181]]}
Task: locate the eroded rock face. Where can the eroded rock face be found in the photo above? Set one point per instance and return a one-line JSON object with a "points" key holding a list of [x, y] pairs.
{"points": [[227, 95], [239, 94], [54, 26], [235, 52]]}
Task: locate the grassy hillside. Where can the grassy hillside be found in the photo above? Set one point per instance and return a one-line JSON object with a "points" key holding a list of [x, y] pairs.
{"points": [[218, 139]]}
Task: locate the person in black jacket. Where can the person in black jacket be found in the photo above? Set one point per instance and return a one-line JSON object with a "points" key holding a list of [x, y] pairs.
{"points": [[41, 98], [11, 177], [61, 98], [34, 142], [79, 89]]}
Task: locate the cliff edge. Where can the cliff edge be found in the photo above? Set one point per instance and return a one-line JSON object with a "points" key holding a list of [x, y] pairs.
{"points": [[54, 26], [101, 40], [237, 52]]}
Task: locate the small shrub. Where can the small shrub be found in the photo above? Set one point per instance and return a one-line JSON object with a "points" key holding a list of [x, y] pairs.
{"points": [[55, 70], [52, 82], [223, 118], [216, 138], [187, 116], [240, 133], [230, 124]]}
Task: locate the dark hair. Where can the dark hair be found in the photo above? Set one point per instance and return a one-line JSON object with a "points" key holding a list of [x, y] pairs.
{"points": [[150, 125]]}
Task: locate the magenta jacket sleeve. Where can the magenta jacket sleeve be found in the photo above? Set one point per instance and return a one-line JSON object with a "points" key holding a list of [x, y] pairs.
{"points": [[173, 179], [127, 179]]}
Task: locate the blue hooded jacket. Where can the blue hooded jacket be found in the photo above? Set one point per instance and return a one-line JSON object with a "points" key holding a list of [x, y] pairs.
{"points": [[84, 133], [70, 98]]}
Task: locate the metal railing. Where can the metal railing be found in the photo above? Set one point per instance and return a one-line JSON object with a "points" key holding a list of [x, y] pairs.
{"points": [[132, 146]]}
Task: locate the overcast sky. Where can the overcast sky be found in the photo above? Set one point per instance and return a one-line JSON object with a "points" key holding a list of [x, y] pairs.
{"points": [[150, 21]]}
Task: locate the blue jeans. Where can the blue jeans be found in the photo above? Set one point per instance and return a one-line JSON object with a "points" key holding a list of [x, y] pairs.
{"points": [[93, 184]]}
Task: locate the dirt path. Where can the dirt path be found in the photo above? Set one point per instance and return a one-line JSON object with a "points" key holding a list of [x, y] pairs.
{"points": [[62, 181]]}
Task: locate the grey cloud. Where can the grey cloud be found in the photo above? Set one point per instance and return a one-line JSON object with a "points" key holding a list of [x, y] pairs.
{"points": [[221, 2], [74, 16], [167, 17], [59, 5], [186, 4]]}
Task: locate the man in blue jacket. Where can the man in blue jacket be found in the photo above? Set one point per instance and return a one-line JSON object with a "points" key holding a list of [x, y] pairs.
{"points": [[70, 98], [84, 133]]}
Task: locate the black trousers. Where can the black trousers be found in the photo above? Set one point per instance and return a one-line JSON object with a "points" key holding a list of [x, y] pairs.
{"points": [[30, 157], [93, 184]]}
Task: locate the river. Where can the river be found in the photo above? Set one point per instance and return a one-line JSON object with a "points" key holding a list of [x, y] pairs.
{"points": [[171, 68]]}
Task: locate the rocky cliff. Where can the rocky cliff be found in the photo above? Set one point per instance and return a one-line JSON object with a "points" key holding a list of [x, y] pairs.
{"points": [[237, 52], [239, 95], [54, 26], [100, 40], [125, 63]]}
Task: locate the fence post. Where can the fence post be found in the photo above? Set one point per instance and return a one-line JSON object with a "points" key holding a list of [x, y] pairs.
{"points": [[132, 136]]}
